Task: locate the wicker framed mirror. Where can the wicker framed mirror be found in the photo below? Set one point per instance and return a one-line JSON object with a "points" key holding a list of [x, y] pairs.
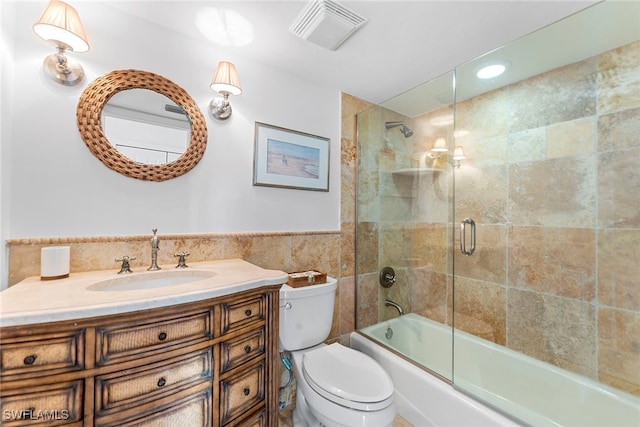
{"points": [[90, 118]]}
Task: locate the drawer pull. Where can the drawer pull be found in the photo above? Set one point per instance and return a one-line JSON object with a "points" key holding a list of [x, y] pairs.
{"points": [[162, 382], [247, 349], [29, 360], [246, 391], [162, 336], [247, 312]]}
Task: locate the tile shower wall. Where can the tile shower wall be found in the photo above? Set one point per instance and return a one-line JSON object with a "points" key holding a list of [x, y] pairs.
{"points": [[351, 107], [403, 216], [552, 179]]}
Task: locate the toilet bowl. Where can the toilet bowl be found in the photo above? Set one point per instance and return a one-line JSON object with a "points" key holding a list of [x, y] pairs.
{"points": [[340, 386], [337, 386]]}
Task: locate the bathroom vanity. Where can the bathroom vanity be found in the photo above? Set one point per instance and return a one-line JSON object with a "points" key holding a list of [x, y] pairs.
{"points": [[143, 350]]}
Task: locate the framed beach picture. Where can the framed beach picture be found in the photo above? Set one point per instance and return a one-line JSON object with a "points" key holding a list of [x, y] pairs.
{"points": [[290, 159]]}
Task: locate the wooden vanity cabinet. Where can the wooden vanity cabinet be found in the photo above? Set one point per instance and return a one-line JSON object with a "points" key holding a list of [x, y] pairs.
{"points": [[204, 363]]}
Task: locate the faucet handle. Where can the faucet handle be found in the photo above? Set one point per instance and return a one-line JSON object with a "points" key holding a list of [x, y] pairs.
{"points": [[387, 277], [181, 259], [125, 268]]}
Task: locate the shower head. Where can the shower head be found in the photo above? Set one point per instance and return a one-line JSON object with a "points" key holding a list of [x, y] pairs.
{"points": [[405, 130]]}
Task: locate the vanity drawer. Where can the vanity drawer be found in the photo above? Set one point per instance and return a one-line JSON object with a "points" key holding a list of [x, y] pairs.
{"points": [[239, 350], [52, 405], [145, 384], [238, 314], [117, 342], [241, 393], [257, 419], [43, 355], [194, 411]]}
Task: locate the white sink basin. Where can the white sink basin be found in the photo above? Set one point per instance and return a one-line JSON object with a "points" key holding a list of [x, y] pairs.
{"points": [[150, 280]]}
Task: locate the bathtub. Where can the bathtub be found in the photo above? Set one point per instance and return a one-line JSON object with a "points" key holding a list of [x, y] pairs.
{"points": [[539, 394]]}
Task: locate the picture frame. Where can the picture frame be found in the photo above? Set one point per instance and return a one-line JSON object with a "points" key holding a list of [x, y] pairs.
{"points": [[287, 158]]}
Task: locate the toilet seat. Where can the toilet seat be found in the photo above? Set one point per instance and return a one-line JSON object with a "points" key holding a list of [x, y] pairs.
{"points": [[347, 377]]}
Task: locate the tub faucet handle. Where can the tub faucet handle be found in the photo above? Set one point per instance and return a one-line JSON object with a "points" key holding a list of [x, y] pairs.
{"points": [[181, 259], [125, 267], [387, 277]]}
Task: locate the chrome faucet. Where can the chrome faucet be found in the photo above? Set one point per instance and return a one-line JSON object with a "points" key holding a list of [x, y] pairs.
{"points": [[390, 303], [155, 245]]}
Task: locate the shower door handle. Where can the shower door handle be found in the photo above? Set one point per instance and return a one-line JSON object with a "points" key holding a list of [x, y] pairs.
{"points": [[463, 236]]}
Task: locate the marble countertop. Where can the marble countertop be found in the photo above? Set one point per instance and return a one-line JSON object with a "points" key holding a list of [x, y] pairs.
{"points": [[36, 301]]}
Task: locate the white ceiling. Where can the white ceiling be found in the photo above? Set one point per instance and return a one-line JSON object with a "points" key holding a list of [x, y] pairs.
{"points": [[403, 44], [600, 28]]}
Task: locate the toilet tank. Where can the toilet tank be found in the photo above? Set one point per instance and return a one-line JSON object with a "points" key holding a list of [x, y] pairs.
{"points": [[306, 314]]}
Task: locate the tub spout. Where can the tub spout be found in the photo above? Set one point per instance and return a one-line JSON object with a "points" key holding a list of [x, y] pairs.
{"points": [[390, 303]]}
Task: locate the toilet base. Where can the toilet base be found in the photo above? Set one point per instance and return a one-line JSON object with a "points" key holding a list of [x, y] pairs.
{"points": [[302, 416]]}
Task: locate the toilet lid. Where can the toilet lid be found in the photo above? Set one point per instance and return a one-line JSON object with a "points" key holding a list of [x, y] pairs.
{"points": [[347, 377]]}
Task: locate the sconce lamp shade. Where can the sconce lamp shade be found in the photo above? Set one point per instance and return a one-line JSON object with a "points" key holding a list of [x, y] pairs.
{"points": [[440, 146], [225, 82], [226, 79], [458, 153], [61, 26]]}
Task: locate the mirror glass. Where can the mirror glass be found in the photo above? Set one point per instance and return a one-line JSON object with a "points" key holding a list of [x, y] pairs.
{"points": [[141, 125], [146, 127]]}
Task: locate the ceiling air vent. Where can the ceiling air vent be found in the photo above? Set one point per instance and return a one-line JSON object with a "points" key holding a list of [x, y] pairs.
{"points": [[326, 23]]}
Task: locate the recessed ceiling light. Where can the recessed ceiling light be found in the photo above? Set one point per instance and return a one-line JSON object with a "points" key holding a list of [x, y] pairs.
{"points": [[491, 70]]}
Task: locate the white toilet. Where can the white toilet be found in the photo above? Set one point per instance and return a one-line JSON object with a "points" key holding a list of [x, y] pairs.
{"points": [[337, 386]]}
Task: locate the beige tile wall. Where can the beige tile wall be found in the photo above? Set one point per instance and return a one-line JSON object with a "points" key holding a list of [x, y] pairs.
{"points": [[281, 251], [560, 212]]}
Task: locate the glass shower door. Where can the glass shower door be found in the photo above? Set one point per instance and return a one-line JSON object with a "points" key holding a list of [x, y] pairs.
{"points": [[552, 184], [404, 212]]}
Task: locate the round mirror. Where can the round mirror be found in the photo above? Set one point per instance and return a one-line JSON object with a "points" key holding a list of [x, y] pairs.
{"points": [[141, 125]]}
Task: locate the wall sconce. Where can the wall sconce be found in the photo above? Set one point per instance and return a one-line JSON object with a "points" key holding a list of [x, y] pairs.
{"points": [[225, 82], [440, 147], [60, 26], [458, 156]]}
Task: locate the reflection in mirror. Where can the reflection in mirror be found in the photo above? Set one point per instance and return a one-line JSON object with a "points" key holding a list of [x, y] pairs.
{"points": [[146, 126]]}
